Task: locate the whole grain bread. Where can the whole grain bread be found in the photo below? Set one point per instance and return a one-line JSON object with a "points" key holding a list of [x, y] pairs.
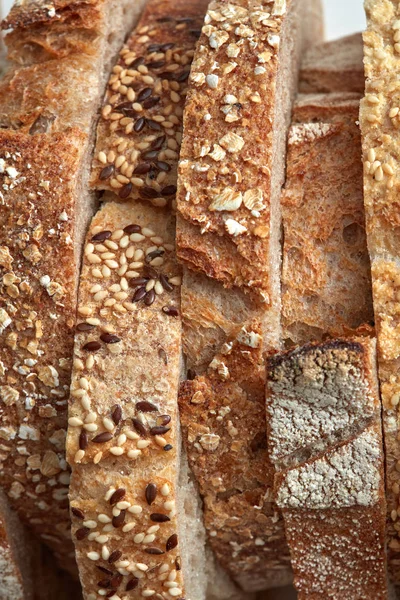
{"points": [[335, 66], [59, 55], [228, 234], [325, 438], [326, 280], [379, 119]]}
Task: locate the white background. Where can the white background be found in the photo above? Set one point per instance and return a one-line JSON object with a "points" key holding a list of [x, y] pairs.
{"points": [[341, 16]]}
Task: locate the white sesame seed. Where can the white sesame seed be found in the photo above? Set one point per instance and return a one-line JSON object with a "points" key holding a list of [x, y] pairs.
{"points": [[105, 553], [142, 567], [109, 493], [165, 489], [116, 451], [136, 509], [104, 518], [143, 444], [138, 538], [102, 539], [93, 555], [75, 422], [79, 455], [91, 427], [153, 529], [91, 417]]}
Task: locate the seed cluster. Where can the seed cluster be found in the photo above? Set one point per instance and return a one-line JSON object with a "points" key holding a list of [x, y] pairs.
{"points": [[128, 522], [140, 131], [132, 266]]}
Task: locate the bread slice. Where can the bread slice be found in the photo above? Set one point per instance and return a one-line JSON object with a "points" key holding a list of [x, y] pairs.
{"points": [[325, 438], [335, 66], [228, 238], [379, 126], [326, 281], [48, 105]]}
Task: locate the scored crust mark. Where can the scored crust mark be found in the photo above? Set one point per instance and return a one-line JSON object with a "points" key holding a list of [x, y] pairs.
{"points": [[123, 410], [223, 419], [140, 129], [379, 119], [325, 398]]}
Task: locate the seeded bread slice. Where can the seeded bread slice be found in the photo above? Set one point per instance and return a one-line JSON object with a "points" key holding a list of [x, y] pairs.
{"points": [[379, 120], [48, 106], [326, 282], [325, 438], [335, 66]]}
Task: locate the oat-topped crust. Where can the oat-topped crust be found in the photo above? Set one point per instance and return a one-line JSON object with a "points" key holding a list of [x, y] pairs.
{"points": [[122, 435], [225, 168], [325, 439], [223, 416], [379, 119], [140, 129], [37, 267]]}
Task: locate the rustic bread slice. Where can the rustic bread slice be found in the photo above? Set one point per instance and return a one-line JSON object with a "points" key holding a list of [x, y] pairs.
{"points": [[325, 438], [326, 282], [335, 66], [48, 107], [379, 120]]}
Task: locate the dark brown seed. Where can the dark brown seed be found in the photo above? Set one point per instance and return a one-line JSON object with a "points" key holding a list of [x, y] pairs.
{"points": [[142, 169], [167, 447], [132, 584], [145, 406], [195, 32], [171, 311], [125, 191], [153, 125], [137, 62], [165, 283], [167, 46], [119, 520], [164, 20], [172, 542], [78, 513], [117, 496], [91, 346], [104, 570], [138, 281], [164, 419], [191, 375], [182, 76], [153, 48], [144, 94], [140, 428], [157, 64], [160, 430], [163, 166], [148, 192], [139, 125], [116, 581], [116, 414], [109, 338], [133, 228], [104, 583], [158, 143], [83, 440], [112, 593], [159, 518], [106, 436], [139, 294], [82, 533], [149, 298], [151, 493], [168, 190], [185, 20], [156, 551], [106, 172], [149, 155], [85, 327], [114, 556], [167, 75], [151, 273], [178, 563], [150, 102], [101, 236], [154, 254]]}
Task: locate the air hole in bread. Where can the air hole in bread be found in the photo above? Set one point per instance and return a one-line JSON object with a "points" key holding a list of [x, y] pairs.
{"points": [[352, 233]]}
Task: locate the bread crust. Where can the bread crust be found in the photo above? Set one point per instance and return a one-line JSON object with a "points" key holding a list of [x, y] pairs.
{"points": [[325, 438], [326, 280], [379, 126]]}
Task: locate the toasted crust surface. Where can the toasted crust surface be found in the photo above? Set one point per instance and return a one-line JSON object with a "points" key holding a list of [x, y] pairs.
{"points": [[326, 282], [325, 438], [380, 129]]}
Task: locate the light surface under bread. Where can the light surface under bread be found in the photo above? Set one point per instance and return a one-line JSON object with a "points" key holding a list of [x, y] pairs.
{"points": [[379, 119], [56, 73], [330, 482], [122, 436], [326, 281], [335, 66]]}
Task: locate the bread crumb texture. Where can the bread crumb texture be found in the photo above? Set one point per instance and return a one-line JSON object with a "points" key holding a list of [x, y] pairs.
{"points": [[380, 122]]}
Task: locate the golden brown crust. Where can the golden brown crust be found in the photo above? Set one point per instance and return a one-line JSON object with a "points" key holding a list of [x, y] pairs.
{"points": [[326, 285], [325, 438], [140, 130], [379, 119], [222, 415]]}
